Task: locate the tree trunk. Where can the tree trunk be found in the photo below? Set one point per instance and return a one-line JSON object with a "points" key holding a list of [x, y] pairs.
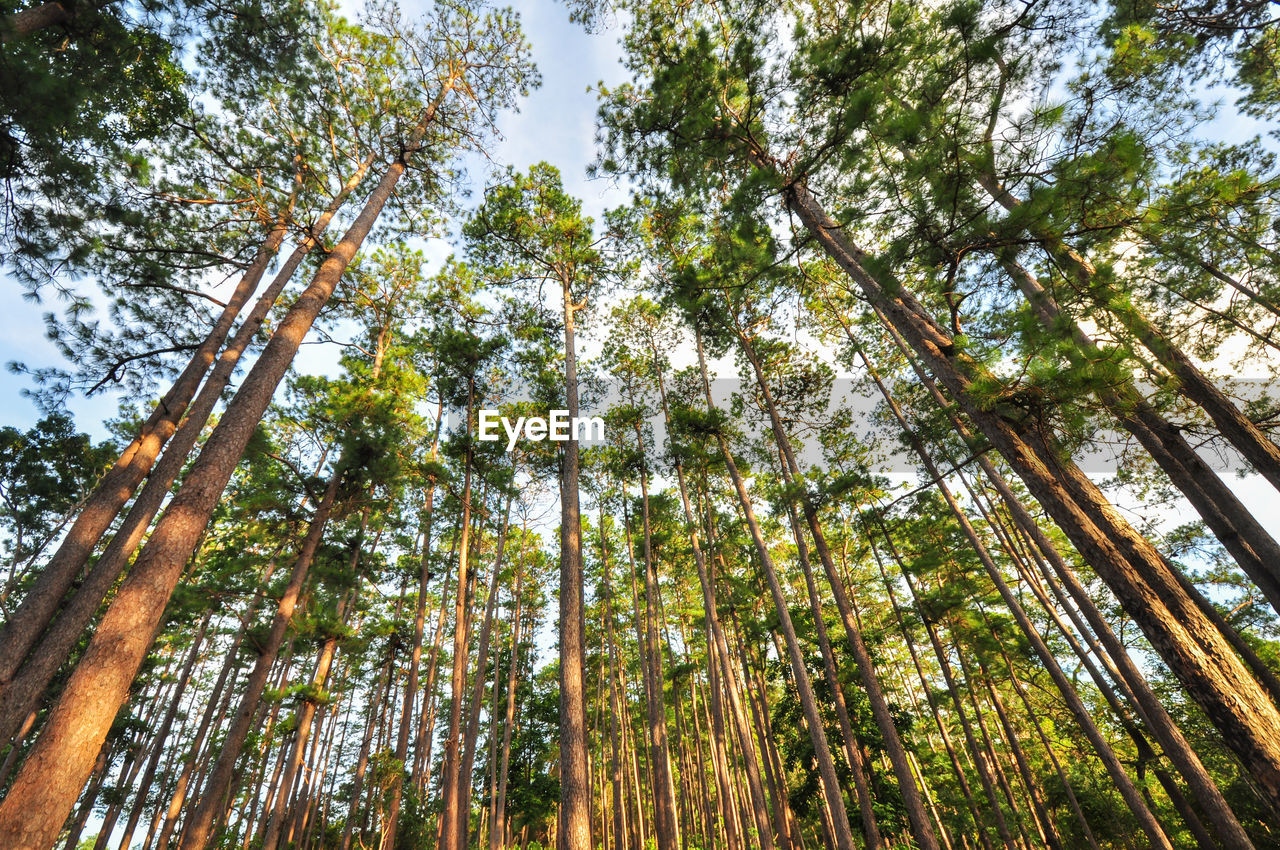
{"points": [[1255, 550], [574, 829], [809, 705], [419, 625], [477, 689], [161, 734], [1147, 587], [1165, 731], [1185, 377], [305, 715], [23, 629], [61, 760], [498, 830], [23, 692], [1081, 713], [453, 820], [920, 825]]}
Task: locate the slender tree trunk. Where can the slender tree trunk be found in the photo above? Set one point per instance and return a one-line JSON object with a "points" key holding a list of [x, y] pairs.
{"points": [[616, 765], [498, 830], [870, 831], [305, 715], [826, 765], [419, 623], [199, 826], [920, 825], [931, 699], [161, 733], [760, 814], [664, 799], [477, 688], [382, 688], [453, 819], [1115, 770], [178, 797], [574, 829], [90, 796]]}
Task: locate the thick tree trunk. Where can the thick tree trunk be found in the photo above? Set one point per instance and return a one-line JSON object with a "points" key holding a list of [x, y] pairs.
{"points": [[1185, 377], [23, 629], [1180, 632], [1165, 731], [61, 760], [20, 695], [1256, 551]]}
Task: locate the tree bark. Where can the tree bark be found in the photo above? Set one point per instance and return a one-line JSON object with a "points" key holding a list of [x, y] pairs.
{"points": [[809, 705], [23, 629], [1179, 631], [61, 760], [574, 828]]}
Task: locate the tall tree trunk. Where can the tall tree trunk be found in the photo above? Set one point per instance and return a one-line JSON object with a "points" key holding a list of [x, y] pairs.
{"points": [[1165, 731], [477, 689], [920, 825], [419, 624], [161, 734], [63, 757], [1255, 550], [1185, 377], [178, 797], [932, 700], [199, 826], [809, 705], [23, 629], [22, 693], [759, 810], [870, 831], [1144, 582], [616, 755], [664, 798], [498, 829], [453, 819], [302, 729], [1115, 770], [574, 829]]}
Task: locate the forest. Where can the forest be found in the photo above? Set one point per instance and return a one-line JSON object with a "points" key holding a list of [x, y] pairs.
{"points": [[929, 499]]}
